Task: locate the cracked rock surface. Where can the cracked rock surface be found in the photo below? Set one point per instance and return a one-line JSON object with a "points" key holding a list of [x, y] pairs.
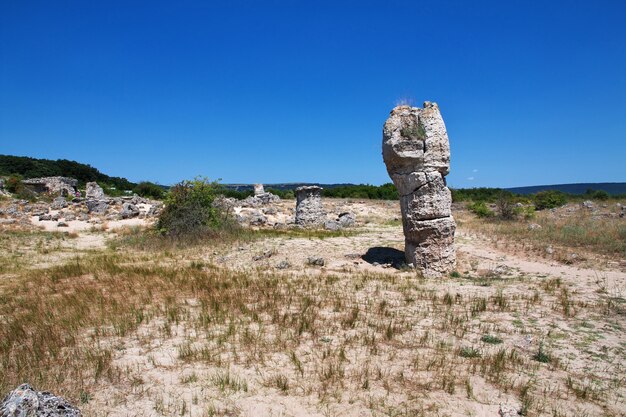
{"points": [[25, 401], [416, 151], [309, 209]]}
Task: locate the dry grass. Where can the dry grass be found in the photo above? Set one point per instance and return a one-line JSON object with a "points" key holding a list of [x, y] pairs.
{"points": [[582, 232], [149, 326], [386, 341]]}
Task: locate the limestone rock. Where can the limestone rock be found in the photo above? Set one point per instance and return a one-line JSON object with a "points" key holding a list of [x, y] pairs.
{"points": [[346, 219], [129, 210], [53, 185], [58, 203], [332, 225], [97, 206], [416, 152], [309, 209], [24, 401], [94, 191], [258, 189]]}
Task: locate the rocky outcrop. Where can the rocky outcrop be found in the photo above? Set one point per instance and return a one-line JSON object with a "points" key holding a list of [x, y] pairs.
{"points": [[58, 203], [417, 154], [94, 191], [53, 185], [97, 206], [309, 209], [259, 200], [24, 401], [129, 210], [258, 189]]}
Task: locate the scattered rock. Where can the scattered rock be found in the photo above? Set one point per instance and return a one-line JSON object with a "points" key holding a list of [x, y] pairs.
{"points": [[346, 219], [45, 217], [62, 224], [416, 152], [259, 200], [24, 401], [283, 265], [129, 210], [589, 205], [97, 206], [315, 261], [256, 218], [332, 225], [508, 411], [549, 250], [59, 203], [534, 226], [265, 255]]}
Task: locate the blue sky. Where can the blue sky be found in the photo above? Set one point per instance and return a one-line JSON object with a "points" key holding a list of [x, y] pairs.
{"points": [[283, 91]]}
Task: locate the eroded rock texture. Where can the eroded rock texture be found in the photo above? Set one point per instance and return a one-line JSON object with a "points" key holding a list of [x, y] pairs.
{"points": [[25, 401], [417, 154], [309, 209], [94, 191]]}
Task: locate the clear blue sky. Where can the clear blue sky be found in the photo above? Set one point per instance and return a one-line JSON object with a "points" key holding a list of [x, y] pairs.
{"points": [[532, 92]]}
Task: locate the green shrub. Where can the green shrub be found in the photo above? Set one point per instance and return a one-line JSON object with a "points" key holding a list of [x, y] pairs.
{"points": [[189, 210], [480, 209], [14, 183], [549, 199], [528, 212], [493, 340], [149, 190], [598, 194], [469, 352]]}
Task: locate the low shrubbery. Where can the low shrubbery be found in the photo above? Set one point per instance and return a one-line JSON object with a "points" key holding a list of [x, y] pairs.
{"points": [[549, 199], [149, 190], [480, 209], [189, 211]]}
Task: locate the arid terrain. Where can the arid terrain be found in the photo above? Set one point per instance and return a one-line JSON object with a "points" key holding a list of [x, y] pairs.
{"points": [[279, 321]]}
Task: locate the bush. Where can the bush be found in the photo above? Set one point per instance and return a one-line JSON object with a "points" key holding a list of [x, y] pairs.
{"points": [[149, 190], [480, 209], [506, 207], [14, 184], [549, 199], [189, 210], [598, 194]]}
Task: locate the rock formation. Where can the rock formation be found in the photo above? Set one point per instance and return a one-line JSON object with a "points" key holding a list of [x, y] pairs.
{"points": [[258, 189], [94, 191], [417, 154], [309, 209], [53, 185], [24, 401]]}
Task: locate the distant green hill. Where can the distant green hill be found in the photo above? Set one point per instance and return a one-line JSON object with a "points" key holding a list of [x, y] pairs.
{"points": [[613, 188], [34, 168]]}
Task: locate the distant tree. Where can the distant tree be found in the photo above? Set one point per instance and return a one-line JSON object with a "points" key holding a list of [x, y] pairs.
{"points": [[549, 199], [505, 206], [149, 190]]}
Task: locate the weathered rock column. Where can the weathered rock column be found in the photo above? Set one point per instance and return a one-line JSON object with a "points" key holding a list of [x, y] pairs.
{"points": [[309, 209], [94, 191], [258, 189], [417, 154]]}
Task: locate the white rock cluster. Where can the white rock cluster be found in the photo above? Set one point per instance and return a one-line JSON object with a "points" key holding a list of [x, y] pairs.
{"points": [[417, 154]]}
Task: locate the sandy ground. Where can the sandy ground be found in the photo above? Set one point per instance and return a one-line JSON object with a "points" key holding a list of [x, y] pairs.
{"points": [[165, 384]]}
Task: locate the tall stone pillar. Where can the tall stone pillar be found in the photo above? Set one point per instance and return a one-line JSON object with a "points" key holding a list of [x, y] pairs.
{"points": [[417, 154], [309, 209]]}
